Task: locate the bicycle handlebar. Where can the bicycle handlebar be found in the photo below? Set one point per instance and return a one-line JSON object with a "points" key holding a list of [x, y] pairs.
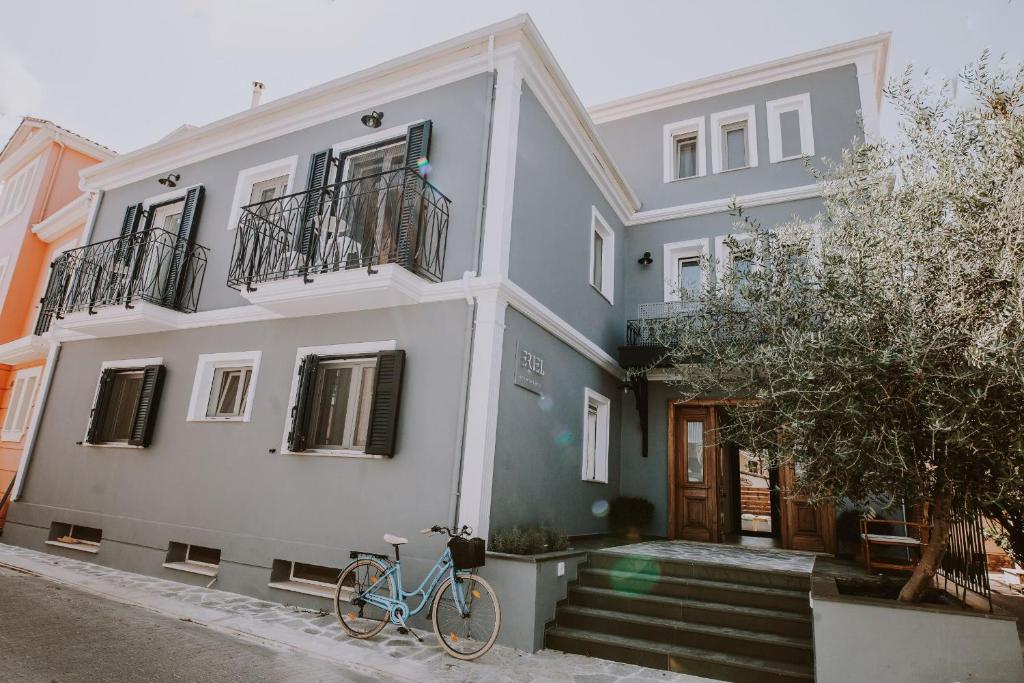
{"points": [[466, 530]]}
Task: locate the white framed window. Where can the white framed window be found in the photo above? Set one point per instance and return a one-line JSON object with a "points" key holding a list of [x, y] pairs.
{"points": [[224, 386], [596, 428], [75, 537], [742, 259], [602, 255], [734, 141], [21, 403], [790, 128], [14, 193], [262, 183], [196, 559], [683, 150], [683, 270], [337, 408], [120, 392], [4, 261]]}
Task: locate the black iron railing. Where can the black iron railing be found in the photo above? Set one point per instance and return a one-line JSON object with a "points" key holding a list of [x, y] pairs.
{"points": [[964, 563], [391, 217], [153, 266]]}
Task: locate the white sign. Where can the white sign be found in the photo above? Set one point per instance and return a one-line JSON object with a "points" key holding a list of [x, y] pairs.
{"points": [[529, 370]]}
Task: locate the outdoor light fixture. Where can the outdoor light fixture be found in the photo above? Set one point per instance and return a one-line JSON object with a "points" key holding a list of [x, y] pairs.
{"points": [[171, 180], [646, 259], [373, 119]]}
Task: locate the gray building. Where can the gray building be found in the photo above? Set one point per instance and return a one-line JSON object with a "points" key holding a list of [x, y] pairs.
{"points": [[400, 298]]}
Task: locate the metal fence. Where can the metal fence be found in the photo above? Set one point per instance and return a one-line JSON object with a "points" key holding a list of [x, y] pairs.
{"points": [[390, 217], [964, 563]]}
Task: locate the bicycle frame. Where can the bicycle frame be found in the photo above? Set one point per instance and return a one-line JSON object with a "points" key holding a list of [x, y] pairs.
{"points": [[443, 568]]}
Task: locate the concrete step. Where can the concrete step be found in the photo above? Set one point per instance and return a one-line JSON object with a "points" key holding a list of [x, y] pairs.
{"points": [[678, 658], [734, 641], [697, 569], [758, 619], [698, 589]]}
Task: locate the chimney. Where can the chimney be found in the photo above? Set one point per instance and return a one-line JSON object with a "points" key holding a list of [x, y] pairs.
{"points": [[257, 93]]}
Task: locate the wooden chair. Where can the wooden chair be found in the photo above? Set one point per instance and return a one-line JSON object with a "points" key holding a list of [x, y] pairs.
{"points": [[912, 544]]}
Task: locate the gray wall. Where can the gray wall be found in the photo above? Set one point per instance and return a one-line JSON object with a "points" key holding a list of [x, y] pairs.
{"points": [[551, 216], [538, 457], [217, 484], [459, 112], [636, 142]]}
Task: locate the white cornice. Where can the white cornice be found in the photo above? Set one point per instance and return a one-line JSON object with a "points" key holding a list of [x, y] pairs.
{"points": [[873, 50], [23, 350], [71, 215], [787, 194], [48, 133]]}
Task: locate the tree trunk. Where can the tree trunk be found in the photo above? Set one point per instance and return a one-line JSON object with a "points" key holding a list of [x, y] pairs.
{"points": [[924, 573]]}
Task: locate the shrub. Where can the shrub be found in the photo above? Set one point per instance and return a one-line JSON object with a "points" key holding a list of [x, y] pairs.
{"points": [[629, 515], [528, 540]]}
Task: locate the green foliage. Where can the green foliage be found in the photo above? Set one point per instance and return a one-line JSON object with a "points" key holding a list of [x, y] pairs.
{"points": [[528, 540], [629, 513]]}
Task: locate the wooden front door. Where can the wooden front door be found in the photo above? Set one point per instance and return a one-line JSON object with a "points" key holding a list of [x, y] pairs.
{"points": [[693, 475], [804, 526]]}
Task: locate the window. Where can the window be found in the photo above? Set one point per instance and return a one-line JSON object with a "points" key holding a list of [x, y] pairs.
{"points": [[301, 577], [742, 261], [167, 216], [75, 537], [15, 192], [345, 400], [223, 388], [314, 574], [387, 156], [127, 397], [683, 151], [735, 144], [602, 255], [790, 129], [262, 183], [694, 451], [684, 271], [596, 426], [3, 274], [21, 401], [193, 558]]}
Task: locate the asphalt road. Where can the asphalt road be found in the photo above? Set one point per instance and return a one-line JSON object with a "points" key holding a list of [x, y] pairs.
{"points": [[52, 633]]}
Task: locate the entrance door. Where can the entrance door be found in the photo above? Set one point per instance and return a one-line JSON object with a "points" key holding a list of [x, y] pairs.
{"points": [[804, 526], [693, 513]]}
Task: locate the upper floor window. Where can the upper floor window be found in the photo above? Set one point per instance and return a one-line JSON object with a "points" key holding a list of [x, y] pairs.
{"points": [[19, 406], [602, 255], [684, 269], [224, 386], [596, 428], [735, 143], [261, 184], [15, 192], [381, 158], [790, 130], [167, 216], [683, 149]]}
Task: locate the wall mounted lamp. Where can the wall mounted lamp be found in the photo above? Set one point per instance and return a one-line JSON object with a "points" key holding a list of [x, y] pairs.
{"points": [[646, 259], [373, 119], [171, 180]]}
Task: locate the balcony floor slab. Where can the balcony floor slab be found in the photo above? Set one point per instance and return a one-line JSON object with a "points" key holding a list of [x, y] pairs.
{"points": [[115, 321]]}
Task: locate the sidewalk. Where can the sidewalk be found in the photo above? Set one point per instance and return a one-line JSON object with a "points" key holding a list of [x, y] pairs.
{"points": [[390, 654]]}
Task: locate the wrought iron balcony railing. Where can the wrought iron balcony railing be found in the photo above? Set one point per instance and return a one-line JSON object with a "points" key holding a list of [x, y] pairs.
{"points": [[153, 266], [390, 217]]}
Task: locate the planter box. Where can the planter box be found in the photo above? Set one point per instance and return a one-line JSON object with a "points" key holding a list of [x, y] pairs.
{"points": [[529, 587], [869, 639]]}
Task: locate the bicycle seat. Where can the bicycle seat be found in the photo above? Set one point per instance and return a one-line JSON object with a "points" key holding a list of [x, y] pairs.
{"points": [[395, 540]]}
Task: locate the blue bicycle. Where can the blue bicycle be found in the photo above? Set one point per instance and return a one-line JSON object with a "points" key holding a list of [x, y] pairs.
{"points": [[465, 612]]}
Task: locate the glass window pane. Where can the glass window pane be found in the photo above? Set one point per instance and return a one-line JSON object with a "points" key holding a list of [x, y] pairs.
{"points": [[694, 451], [387, 157], [330, 405], [686, 157], [789, 128], [363, 407], [124, 397], [9, 420], [736, 146], [25, 403], [268, 189], [591, 439], [597, 276], [689, 281]]}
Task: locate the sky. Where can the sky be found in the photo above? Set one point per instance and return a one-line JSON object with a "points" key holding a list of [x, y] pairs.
{"points": [[127, 72]]}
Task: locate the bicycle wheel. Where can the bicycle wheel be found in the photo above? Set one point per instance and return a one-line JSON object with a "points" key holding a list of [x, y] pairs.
{"points": [[359, 619], [471, 634]]}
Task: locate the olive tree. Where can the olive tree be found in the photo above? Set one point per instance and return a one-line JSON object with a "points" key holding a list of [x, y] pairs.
{"points": [[880, 348]]}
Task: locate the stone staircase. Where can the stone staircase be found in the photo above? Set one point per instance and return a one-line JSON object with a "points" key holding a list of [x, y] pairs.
{"points": [[726, 622]]}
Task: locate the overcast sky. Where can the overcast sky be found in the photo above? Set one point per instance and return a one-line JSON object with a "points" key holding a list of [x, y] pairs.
{"points": [[127, 72]]}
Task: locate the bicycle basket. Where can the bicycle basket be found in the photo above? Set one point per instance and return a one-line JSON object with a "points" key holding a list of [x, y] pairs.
{"points": [[467, 553]]}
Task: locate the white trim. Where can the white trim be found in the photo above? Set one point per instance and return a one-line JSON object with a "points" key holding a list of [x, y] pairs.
{"points": [[84, 546], [801, 104], [599, 226], [131, 363], [317, 590], [257, 174], [126, 364], [18, 191], [872, 51], [33, 430], [71, 215], [4, 280], [672, 252], [22, 350], [375, 138], [206, 367], [347, 349], [26, 401], [669, 134], [193, 568], [787, 194], [47, 133], [601, 448], [167, 197], [723, 254], [724, 118]]}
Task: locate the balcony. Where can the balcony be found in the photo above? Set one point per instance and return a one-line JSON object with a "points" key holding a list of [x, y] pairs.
{"points": [[648, 338], [143, 282], [368, 242]]}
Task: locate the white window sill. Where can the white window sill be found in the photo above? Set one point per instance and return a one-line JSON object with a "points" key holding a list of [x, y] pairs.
{"points": [[679, 180], [112, 445], [335, 454], [733, 170], [12, 437], [603, 295], [324, 591], [83, 547], [192, 568], [240, 418], [594, 481]]}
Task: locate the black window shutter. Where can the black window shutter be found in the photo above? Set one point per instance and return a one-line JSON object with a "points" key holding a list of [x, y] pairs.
{"points": [[130, 223], [55, 289], [146, 409], [387, 394], [316, 180], [297, 437], [177, 271], [417, 146], [122, 257], [99, 410]]}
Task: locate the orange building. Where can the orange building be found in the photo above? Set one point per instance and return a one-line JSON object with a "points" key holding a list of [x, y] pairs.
{"points": [[42, 214]]}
